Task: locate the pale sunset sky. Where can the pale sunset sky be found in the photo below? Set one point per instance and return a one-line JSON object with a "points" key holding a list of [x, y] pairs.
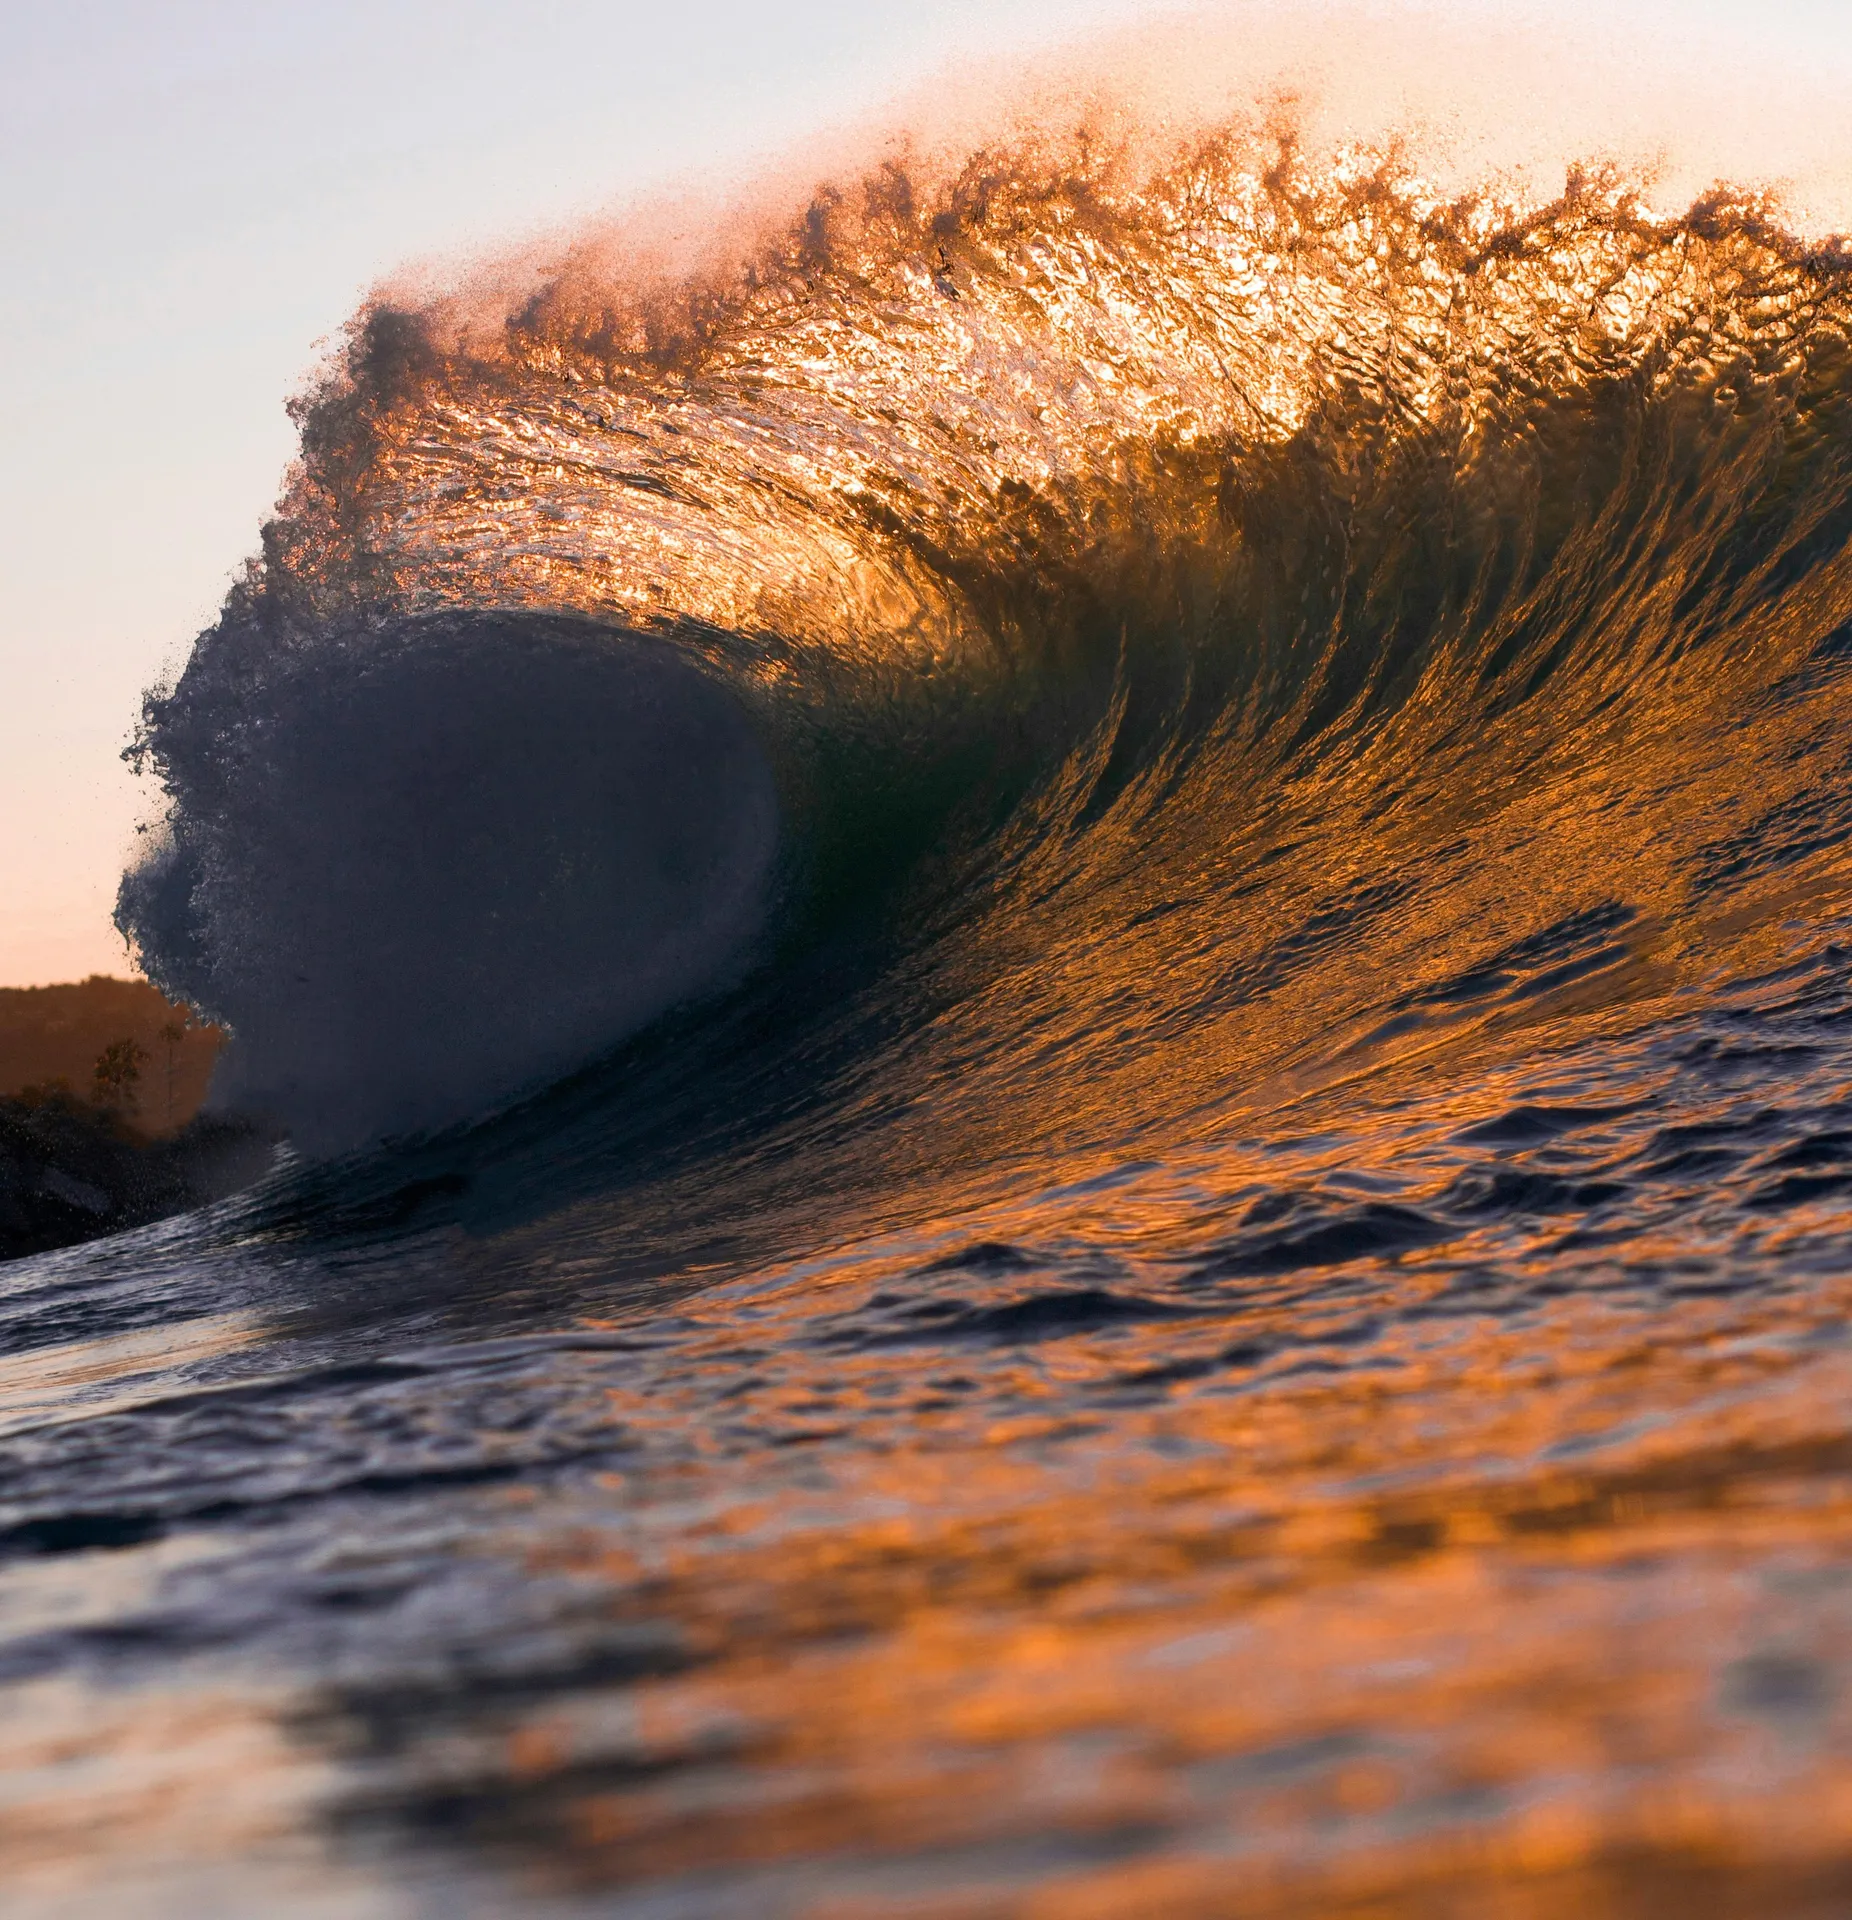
{"points": [[194, 196]]}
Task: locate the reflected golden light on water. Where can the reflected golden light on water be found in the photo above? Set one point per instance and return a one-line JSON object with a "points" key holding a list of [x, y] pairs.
{"points": [[165, 1801], [110, 1371], [1243, 1314], [1442, 1611]]}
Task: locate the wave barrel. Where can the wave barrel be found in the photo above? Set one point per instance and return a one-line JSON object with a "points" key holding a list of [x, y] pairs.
{"points": [[425, 868]]}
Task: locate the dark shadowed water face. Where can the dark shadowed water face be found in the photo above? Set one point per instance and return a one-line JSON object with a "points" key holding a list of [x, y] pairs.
{"points": [[1223, 1291]]}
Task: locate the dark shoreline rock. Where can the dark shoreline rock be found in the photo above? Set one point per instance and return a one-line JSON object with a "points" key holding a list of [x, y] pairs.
{"points": [[70, 1173]]}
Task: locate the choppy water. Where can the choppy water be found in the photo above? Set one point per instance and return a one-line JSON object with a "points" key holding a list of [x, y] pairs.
{"points": [[1109, 918]]}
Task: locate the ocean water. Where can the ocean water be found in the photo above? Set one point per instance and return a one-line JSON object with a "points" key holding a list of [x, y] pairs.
{"points": [[1063, 987]]}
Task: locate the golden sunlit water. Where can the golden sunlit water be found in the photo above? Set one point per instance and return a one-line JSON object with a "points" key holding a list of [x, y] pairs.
{"points": [[1200, 1267]]}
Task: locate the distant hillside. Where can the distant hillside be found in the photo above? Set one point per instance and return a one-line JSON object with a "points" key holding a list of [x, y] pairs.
{"points": [[58, 1033]]}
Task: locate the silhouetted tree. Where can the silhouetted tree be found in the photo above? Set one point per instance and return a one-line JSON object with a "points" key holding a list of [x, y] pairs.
{"points": [[172, 1037], [118, 1072]]}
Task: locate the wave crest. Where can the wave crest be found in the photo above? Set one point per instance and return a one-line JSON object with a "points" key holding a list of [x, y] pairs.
{"points": [[1044, 529]]}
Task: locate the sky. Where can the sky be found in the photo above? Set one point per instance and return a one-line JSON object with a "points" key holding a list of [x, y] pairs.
{"points": [[194, 197]]}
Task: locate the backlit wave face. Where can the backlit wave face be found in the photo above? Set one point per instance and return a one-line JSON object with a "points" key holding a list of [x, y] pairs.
{"points": [[917, 396], [1206, 585]]}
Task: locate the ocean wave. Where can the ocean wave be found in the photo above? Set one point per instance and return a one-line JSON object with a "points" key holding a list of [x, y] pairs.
{"points": [[450, 855], [1187, 611]]}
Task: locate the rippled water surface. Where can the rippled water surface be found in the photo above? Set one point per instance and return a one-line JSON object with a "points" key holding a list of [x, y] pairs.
{"points": [[1431, 1497], [1223, 1289]]}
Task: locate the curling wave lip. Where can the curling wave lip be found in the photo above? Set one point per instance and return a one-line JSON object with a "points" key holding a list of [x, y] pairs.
{"points": [[1117, 578], [447, 858]]}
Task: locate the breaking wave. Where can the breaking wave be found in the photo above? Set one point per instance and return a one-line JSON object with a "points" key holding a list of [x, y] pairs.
{"points": [[455, 855], [1100, 917], [1148, 627]]}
